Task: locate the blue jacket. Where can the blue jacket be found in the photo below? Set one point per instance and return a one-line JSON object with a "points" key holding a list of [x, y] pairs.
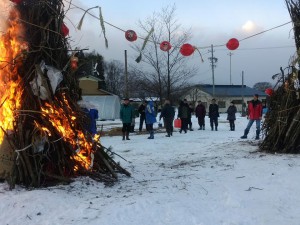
{"points": [[150, 113]]}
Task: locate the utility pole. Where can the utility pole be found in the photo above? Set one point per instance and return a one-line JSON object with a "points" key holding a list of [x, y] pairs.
{"points": [[126, 76], [230, 54], [243, 103], [213, 61]]}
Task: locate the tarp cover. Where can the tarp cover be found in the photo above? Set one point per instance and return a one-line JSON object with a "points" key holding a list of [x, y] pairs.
{"points": [[108, 106]]}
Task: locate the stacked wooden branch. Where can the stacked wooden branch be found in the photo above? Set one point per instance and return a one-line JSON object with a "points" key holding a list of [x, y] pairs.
{"points": [[282, 124], [49, 142]]}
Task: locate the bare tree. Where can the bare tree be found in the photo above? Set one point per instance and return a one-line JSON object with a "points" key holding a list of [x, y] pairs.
{"points": [[114, 77], [167, 72], [262, 86]]}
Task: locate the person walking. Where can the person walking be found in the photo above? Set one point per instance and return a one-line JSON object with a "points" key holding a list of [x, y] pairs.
{"points": [[168, 114], [183, 111], [231, 111], [254, 114], [150, 114], [200, 113], [213, 114], [141, 110], [126, 115]]}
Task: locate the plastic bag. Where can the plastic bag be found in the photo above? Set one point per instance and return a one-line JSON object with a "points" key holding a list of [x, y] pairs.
{"points": [[55, 76]]}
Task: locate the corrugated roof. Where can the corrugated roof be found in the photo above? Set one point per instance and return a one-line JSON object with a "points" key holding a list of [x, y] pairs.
{"points": [[230, 90]]}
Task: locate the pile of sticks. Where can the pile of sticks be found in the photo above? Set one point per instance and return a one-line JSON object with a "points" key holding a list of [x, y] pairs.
{"points": [[282, 124], [42, 154]]}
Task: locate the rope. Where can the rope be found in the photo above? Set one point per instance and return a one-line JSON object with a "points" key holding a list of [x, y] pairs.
{"points": [[220, 45]]}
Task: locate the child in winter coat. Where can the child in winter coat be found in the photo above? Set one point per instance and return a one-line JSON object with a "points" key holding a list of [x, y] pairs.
{"points": [[200, 112], [150, 114], [231, 111]]}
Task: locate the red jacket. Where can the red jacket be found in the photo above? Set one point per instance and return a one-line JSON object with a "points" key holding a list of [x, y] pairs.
{"points": [[255, 110]]}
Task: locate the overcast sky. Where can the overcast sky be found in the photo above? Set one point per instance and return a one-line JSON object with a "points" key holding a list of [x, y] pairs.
{"points": [[212, 22]]}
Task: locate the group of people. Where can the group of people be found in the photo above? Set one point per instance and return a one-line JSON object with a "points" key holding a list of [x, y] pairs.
{"points": [[254, 114], [127, 115], [148, 115]]}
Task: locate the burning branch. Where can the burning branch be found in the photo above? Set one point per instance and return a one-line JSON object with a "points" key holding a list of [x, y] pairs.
{"points": [[43, 135]]}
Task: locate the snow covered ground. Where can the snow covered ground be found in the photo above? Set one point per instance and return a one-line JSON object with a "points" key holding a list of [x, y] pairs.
{"points": [[199, 178]]}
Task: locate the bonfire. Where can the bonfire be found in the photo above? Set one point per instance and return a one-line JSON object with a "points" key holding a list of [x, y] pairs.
{"points": [[43, 139]]}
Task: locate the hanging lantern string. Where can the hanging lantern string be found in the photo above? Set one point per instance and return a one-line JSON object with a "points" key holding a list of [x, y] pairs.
{"points": [[264, 31], [200, 54], [78, 7], [205, 47]]}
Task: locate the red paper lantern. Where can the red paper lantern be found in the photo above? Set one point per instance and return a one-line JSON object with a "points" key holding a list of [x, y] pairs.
{"points": [[232, 44], [130, 35], [269, 91], [74, 62], [187, 49], [64, 30], [16, 1], [165, 46]]}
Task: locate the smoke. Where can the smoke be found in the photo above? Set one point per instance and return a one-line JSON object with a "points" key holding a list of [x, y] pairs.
{"points": [[5, 6]]}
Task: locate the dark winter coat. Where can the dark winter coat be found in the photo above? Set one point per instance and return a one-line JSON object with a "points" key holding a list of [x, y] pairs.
{"points": [[142, 110], [200, 111], [255, 110], [231, 111], [126, 113], [150, 113], [191, 111], [183, 110], [167, 112], [213, 112]]}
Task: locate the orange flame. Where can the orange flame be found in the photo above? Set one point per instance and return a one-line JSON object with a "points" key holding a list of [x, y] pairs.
{"points": [[11, 48], [65, 125]]}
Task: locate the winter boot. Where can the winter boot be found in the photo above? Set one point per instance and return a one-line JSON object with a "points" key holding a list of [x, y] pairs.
{"points": [[257, 135], [200, 128], [151, 135], [127, 136], [212, 128], [233, 127], [216, 128], [245, 134], [123, 136], [203, 127]]}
